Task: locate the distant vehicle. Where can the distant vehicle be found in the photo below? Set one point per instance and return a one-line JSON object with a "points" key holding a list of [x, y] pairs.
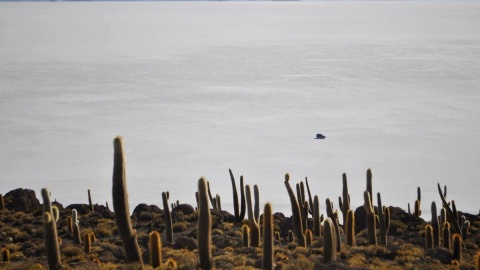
{"points": [[320, 136]]}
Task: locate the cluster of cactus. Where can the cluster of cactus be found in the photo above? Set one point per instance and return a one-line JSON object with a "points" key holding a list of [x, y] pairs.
{"points": [[296, 215], [215, 201], [238, 213]]}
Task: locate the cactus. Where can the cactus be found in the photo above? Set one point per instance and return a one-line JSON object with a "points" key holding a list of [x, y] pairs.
{"points": [[56, 213], [74, 216], [308, 237], [5, 255], [443, 217], [296, 215], [435, 225], [345, 202], [90, 201], [2, 203], [450, 213], [446, 235], [329, 249], [429, 236], [310, 201], [457, 247], [267, 237], [168, 218], [212, 200], [69, 224], [77, 238], [155, 244], [245, 235], [218, 202], [369, 184], [316, 217], [417, 211], [454, 210], [120, 206], [290, 236], [304, 210], [50, 233], [256, 196], [252, 222], [383, 220], [277, 236], [236, 209], [204, 227], [242, 199], [350, 228], [371, 228], [87, 241]]}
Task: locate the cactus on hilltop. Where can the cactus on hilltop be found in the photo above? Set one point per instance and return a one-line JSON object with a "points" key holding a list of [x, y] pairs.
{"points": [[204, 227]]}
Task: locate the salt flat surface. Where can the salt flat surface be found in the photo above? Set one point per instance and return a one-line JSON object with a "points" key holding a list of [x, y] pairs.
{"points": [[198, 88]]}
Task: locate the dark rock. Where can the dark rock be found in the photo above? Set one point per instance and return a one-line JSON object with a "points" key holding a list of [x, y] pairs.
{"points": [[222, 216], [285, 226], [144, 207], [185, 242], [186, 209], [82, 209], [22, 200], [396, 213], [442, 254]]}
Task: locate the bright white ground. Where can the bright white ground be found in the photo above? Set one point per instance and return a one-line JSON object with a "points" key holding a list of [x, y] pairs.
{"points": [[198, 88]]}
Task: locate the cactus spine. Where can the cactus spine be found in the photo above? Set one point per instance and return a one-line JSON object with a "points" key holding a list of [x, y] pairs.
{"points": [[350, 228], [457, 247], [245, 235], [371, 227], [50, 233], [296, 215], [204, 227], [168, 218], [120, 206], [316, 217], [329, 249], [267, 237], [252, 222], [155, 244], [383, 220]]}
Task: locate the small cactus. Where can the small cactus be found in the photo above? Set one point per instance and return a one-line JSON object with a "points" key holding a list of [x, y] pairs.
{"points": [[69, 224], [290, 236], [56, 213], [350, 228], [252, 222], [5, 255], [435, 225], [90, 201], [417, 211], [2, 203], [245, 235], [429, 236], [308, 237], [446, 235], [457, 247], [87, 241], [155, 244], [371, 226], [383, 220]]}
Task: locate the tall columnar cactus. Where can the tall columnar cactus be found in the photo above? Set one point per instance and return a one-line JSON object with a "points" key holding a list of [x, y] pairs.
{"points": [[304, 210], [74, 216], [236, 209], [212, 200], [256, 209], [316, 217], [429, 236], [245, 235], [417, 212], [450, 213], [120, 205], [454, 209], [77, 237], [218, 202], [371, 227], [296, 215], [350, 228], [457, 247], [446, 235], [345, 202], [243, 203], [155, 245], [204, 227], [252, 222], [50, 233], [369, 184], [90, 201], [329, 242], [310, 201], [383, 220], [267, 237], [69, 224], [2, 203], [435, 225], [168, 218], [443, 217]]}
